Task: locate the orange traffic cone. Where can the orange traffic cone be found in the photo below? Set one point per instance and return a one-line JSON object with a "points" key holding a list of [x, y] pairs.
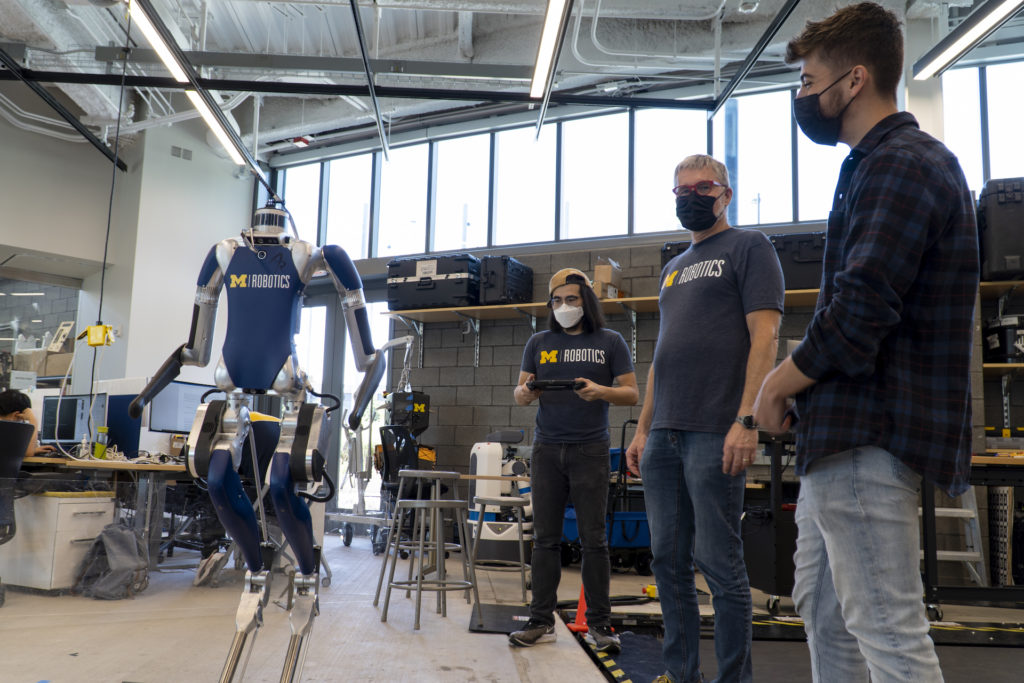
{"points": [[579, 624]]}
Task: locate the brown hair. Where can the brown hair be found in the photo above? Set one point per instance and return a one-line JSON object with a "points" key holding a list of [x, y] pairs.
{"points": [[865, 33]]}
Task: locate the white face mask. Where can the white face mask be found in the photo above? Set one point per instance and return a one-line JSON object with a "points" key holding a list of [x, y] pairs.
{"points": [[568, 316]]}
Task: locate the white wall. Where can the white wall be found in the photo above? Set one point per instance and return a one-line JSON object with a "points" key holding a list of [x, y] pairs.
{"points": [[54, 194], [167, 213]]}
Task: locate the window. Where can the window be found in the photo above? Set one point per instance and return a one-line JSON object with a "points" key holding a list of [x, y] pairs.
{"points": [[309, 344], [818, 172], [961, 116], [348, 204], [403, 202], [1005, 103], [595, 176], [756, 149], [524, 198], [460, 201], [302, 199], [664, 137]]}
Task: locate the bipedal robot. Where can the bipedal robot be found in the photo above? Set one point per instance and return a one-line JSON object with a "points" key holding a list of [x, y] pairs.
{"points": [[266, 271]]}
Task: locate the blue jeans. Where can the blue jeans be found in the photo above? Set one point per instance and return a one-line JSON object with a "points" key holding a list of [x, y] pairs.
{"points": [[694, 513], [858, 583], [560, 472]]}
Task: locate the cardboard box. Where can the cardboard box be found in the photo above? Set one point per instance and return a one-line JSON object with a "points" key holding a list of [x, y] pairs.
{"points": [[31, 361], [605, 290], [609, 273], [57, 364]]}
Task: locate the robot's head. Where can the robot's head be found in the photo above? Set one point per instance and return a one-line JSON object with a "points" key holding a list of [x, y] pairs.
{"points": [[269, 219]]}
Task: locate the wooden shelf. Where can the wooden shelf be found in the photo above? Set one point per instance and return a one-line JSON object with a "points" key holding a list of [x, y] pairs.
{"points": [[994, 290], [999, 369], [539, 309]]}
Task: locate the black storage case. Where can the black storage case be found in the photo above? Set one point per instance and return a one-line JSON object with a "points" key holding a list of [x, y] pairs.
{"points": [[1003, 339], [1001, 229], [433, 282], [671, 250], [801, 256], [504, 280]]}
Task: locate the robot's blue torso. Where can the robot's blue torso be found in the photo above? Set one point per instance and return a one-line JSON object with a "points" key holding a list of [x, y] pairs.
{"points": [[264, 289]]}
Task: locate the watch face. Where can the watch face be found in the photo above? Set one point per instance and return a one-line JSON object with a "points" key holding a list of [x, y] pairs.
{"points": [[747, 421]]}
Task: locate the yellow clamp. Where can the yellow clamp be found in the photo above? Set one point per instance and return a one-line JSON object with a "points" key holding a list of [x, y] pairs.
{"points": [[98, 335]]}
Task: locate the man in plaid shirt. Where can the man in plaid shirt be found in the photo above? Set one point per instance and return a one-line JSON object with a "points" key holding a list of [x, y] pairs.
{"points": [[881, 378]]}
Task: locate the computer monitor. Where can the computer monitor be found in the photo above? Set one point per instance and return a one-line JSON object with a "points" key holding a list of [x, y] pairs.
{"points": [[72, 423], [173, 410]]}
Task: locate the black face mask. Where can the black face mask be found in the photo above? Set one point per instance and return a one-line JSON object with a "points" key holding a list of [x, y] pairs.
{"points": [[696, 212], [823, 130]]}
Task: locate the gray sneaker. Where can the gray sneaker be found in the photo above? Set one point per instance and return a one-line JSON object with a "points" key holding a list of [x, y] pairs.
{"points": [[534, 632], [603, 639]]}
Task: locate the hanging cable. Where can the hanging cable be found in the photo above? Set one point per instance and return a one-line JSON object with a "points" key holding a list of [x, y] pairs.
{"points": [[110, 205]]}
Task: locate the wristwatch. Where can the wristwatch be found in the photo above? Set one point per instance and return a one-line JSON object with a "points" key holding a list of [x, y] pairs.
{"points": [[747, 421]]}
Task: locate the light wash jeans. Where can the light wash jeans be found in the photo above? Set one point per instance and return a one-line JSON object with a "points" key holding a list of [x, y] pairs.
{"points": [[858, 583], [694, 513]]}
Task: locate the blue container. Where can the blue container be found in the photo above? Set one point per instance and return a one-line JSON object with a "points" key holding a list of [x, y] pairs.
{"points": [[616, 453], [630, 529]]}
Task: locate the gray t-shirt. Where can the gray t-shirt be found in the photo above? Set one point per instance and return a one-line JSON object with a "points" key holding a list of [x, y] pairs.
{"points": [[600, 357], [700, 360]]}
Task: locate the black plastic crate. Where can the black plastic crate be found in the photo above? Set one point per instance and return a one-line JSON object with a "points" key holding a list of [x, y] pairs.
{"points": [[504, 280], [433, 282], [801, 256], [1001, 229]]}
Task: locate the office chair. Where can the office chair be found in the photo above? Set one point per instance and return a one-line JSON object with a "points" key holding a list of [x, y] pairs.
{"points": [[14, 440]]}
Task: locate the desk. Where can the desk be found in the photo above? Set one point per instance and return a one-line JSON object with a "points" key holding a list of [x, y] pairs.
{"points": [[149, 498], [986, 470]]}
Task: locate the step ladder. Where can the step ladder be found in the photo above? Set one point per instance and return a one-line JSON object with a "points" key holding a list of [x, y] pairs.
{"points": [[971, 555]]}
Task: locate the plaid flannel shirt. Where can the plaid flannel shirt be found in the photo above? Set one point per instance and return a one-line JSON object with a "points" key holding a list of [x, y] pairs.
{"points": [[891, 339]]}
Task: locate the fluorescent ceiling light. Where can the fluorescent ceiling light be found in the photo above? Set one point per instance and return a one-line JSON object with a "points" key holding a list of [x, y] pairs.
{"points": [[37, 320], [158, 44], [548, 47], [28, 293], [975, 28], [214, 123]]}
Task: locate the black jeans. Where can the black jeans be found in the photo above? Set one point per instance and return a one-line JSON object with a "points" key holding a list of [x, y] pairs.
{"points": [[578, 472]]}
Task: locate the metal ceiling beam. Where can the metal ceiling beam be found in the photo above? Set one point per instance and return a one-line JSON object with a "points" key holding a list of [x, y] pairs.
{"points": [[755, 54], [369, 78], [329, 64], [16, 71], [194, 82], [292, 88]]}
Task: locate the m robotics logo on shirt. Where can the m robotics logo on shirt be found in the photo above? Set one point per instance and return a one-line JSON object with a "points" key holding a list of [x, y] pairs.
{"points": [[260, 281], [709, 268], [574, 356]]}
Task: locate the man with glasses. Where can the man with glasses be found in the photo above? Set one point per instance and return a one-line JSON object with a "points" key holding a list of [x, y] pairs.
{"points": [[720, 306], [586, 367], [882, 376]]}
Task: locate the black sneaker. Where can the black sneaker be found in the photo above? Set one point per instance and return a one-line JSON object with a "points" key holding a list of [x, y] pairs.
{"points": [[534, 632], [603, 639]]}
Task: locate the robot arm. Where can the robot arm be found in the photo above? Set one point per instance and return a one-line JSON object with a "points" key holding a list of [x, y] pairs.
{"points": [[197, 350], [369, 361]]}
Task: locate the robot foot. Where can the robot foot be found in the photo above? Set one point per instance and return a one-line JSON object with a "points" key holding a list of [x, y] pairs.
{"points": [[305, 608], [248, 619]]}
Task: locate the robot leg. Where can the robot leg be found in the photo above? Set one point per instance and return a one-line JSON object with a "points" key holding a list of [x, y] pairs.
{"points": [[216, 444], [298, 460]]}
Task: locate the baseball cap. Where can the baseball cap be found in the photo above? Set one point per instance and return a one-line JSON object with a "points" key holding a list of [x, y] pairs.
{"points": [[561, 277]]}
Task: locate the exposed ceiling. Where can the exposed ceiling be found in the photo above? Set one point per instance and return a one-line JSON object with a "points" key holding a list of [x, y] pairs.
{"points": [[290, 69]]}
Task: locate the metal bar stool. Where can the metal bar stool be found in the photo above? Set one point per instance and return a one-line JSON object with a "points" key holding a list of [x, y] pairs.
{"points": [[427, 539], [517, 504]]}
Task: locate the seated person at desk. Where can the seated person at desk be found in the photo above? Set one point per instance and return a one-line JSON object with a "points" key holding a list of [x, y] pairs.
{"points": [[17, 407]]}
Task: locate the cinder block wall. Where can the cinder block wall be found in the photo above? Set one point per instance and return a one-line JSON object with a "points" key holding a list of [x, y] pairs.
{"points": [[468, 402]]}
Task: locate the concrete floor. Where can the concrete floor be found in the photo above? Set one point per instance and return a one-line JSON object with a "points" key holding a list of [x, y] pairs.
{"points": [[175, 632]]}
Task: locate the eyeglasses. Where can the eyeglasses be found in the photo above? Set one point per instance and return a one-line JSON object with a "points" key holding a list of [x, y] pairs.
{"points": [[703, 188], [572, 300]]}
